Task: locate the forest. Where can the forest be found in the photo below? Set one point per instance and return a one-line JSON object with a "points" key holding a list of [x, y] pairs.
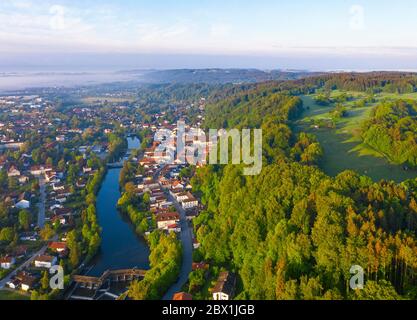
{"points": [[392, 129], [293, 232]]}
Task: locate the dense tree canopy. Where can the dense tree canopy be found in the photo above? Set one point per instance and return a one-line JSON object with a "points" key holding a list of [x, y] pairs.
{"points": [[294, 233], [392, 130]]}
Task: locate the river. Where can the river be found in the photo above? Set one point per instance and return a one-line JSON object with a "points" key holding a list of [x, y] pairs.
{"points": [[121, 248]]}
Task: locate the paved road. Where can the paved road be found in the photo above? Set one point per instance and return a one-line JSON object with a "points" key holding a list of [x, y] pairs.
{"points": [[41, 205], [41, 251], [187, 255], [21, 267]]}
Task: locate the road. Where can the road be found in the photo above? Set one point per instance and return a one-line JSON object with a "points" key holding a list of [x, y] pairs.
{"points": [[187, 254], [41, 251], [21, 267], [41, 205]]}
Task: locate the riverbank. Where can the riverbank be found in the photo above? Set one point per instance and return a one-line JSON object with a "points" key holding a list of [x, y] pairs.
{"points": [[120, 247]]}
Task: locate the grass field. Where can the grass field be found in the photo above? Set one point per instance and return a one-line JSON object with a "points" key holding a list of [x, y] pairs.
{"points": [[11, 295], [343, 146]]}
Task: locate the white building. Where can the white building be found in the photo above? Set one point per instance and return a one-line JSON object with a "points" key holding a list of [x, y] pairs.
{"points": [[189, 203], [45, 261], [165, 220], [225, 286], [7, 262], [23, 204], [13, 172]]}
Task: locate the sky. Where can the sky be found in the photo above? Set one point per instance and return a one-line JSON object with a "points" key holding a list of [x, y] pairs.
{"points": [[268, 34]]}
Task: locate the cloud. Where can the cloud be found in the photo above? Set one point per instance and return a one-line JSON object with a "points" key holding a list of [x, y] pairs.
{"points": [[357, 17], [57, 21], [152, 34], [22, 4], [220, 31]]}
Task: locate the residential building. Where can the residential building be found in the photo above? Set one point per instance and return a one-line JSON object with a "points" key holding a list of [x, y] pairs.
{"points": [[225, 286], [182, 296], [7, 263], [45, 261]]}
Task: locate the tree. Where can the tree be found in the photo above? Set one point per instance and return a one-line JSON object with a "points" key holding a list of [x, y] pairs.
{"points": [[24, 220], [7, 234], [196, 280], [3, 178], [47, 232], [382, 290], [74, 249], [45, 281], [4, 213]]}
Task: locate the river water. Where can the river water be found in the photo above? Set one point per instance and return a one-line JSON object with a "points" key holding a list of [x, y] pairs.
{"points": [[121, 248]]}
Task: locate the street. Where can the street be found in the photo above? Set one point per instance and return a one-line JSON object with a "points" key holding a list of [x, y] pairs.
{"points": [[4, 281], [187, 254], [41, 205], [41, 251]]}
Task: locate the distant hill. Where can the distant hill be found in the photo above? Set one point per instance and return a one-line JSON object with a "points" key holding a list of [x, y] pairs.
{"points": [[220, 76]]}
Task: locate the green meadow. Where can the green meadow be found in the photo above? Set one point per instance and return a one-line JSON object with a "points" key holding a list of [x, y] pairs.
{"points": [[342, 143]]}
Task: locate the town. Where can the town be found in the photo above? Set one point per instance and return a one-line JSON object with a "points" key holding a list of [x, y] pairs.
{"points": [[53, 160]]}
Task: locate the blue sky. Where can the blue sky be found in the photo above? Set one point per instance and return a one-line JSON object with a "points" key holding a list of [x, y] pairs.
{"points": [[306, 31]]}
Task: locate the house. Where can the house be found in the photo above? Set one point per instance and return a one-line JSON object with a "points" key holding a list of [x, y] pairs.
{"points": [[27, 282], [61, 219], [14, 284], [55, 206], [87, 170], [61, 199], [51, 177], [23, 179], [13, 172], [164, 220], [7, 263], [200, 266], [29, 236], [179, 195], [182, 296], [189, 203], [20, 251], [58, 186], [58, 247], [24, 201], [176, 185], [38, 170], [174, 228], [225, 286], [60, 138], [45, 261], [23, 204], [81, 183], [63, 212], [196, 244]]}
